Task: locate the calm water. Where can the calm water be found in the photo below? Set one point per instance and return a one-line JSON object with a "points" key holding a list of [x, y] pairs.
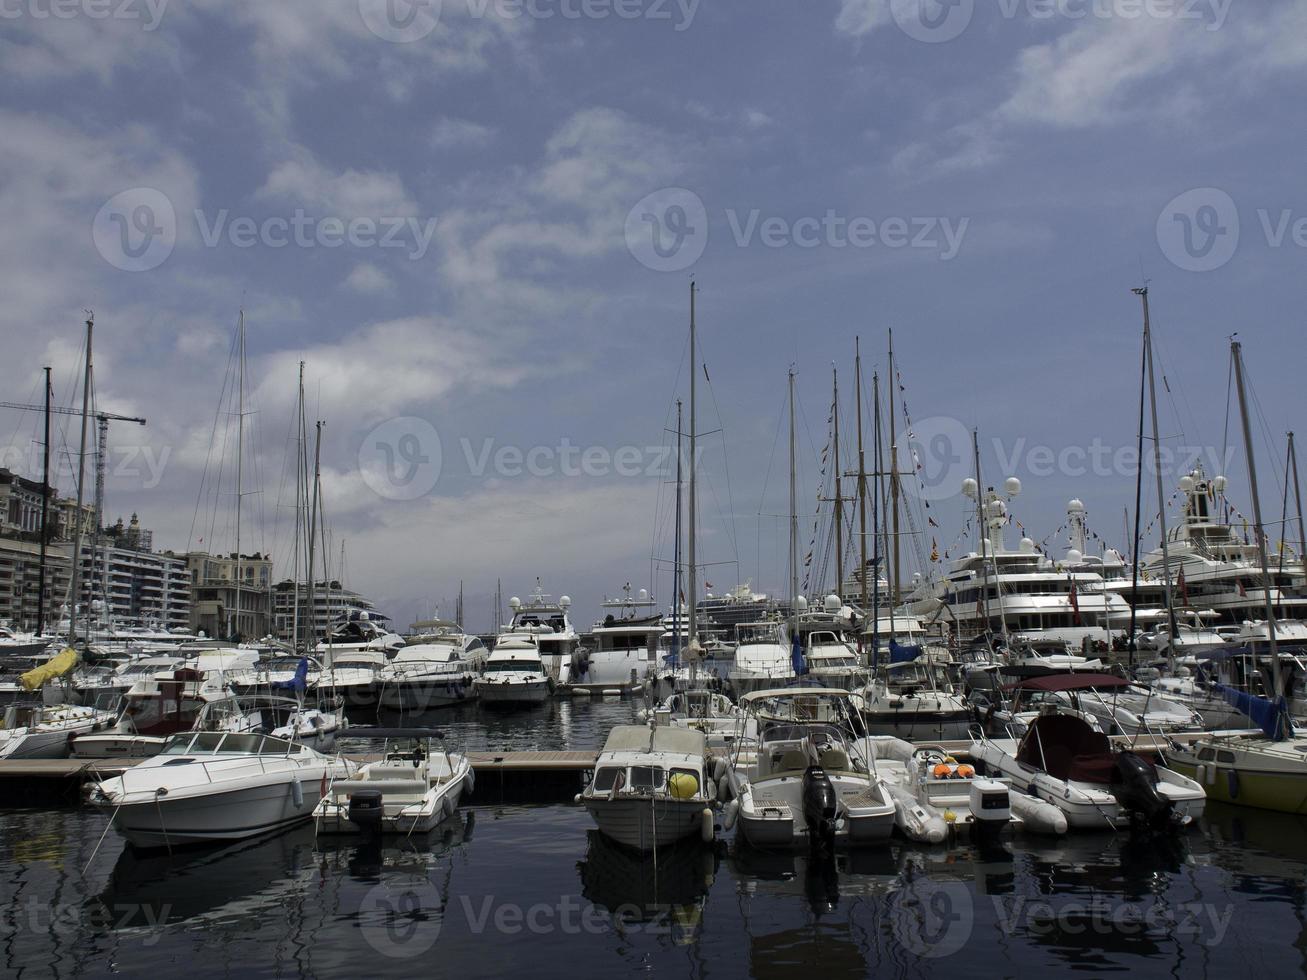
{"points": [[533, 891]]}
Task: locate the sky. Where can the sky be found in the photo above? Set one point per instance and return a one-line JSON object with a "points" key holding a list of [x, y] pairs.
{"points": [[476, 223]]}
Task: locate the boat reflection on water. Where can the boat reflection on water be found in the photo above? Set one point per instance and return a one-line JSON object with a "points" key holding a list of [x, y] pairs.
{"points": [[213, 887], [821, 876], [368, 858], [666, 890]]}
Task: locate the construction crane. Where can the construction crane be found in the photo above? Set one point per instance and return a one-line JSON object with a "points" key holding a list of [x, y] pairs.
{"points": [[103, 418]]}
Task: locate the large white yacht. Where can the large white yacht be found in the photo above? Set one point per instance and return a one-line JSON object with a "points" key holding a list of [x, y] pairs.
{"points": [[547, 624], [437, 667], [625, 647], [362, 630], [1219, 564], [764, 657], [1018, 592]]}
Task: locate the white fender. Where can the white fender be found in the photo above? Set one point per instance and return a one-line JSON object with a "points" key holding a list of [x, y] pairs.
{"points": [[447, 805], [730, 814], [470, 779], [706, 831], [297, 794]]}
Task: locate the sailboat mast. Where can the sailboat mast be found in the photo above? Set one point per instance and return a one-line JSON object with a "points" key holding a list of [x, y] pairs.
{"points": [[299, 513], [676, 549], [876, 516], [240, 463], [982, 530], [75, 583], [1236, 349], [794, 519], [862, 480], [45, 510], [1297, 496], [1142, 292], [895, 587], [691, 512], [313, 526], [1139, 503], [839, 493]]}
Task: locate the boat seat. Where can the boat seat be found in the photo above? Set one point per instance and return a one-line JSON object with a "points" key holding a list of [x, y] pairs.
{"points": [[415, 788], [836, 760], [793, 759]]}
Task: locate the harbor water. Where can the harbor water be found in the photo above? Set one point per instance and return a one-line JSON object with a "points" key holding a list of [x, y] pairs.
{"points": [[534, 891]]}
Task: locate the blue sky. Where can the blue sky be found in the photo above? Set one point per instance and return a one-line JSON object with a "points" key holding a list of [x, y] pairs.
{"points": [[474, 253]]}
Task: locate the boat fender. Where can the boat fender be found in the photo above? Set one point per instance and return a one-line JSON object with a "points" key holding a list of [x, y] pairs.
{"points": [[1232, 783], [447, 805], [576, 798], [719, 768], [729, 815], [706, 829], [297, 794], [471, 780], [724, 788], [1200, 774]]}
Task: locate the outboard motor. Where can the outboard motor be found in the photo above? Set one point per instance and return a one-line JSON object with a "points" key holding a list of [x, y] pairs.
{"points": [[820, 805], [991, 807], [1134, 783], [365, 810]]}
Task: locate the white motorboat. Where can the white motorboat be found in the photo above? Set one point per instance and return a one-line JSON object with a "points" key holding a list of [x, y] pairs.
{"points": [[415, 786], [216, 786], [549, 626], [807, 783], [361, 630], [722, 723], [652, 787], [21, 646], [625, 647], [434, 669], [354, 677], [914, 700], [1061, 759], [514, 675]]}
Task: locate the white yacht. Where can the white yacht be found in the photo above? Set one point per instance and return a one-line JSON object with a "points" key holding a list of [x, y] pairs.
{"points": [[1220, 566], [914, 700], [436, 668], [360, 631], [211, 786], [764, 657], [652, 787], [514, 675], [41, 731], [547, 623], [625, 647], [1021, 592], [21, 644], [829, 653], [354, 676]]}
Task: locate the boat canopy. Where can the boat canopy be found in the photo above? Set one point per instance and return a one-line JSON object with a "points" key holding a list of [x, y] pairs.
{"points": [[795, 692], [663, 738], [1070, 682]]}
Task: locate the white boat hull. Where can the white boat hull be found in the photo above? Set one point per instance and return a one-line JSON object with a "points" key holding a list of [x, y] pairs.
{"points": [[642, 824], [506, 695], [421, 694]]}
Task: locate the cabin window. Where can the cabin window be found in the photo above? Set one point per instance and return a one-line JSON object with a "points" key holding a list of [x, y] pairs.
{"points": [[1226, 757], [605, 778], [647, 777], [1206, 755]]}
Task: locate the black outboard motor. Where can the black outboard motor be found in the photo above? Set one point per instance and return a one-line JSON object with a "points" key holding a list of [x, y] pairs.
{"points": [[1134, 783], [365, 810], [820, 805]]}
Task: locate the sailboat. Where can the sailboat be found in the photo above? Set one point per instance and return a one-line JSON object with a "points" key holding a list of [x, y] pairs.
{"points": [[1268, 773]]}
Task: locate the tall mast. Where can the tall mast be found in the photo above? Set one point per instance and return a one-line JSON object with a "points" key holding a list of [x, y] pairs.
{"points": [[1142, 293], [982, 530], [692, 515], [794, 520], [862, 479], [75, 584], [1139, 503], [876, 463], [1236, 349], [839, 494], [895, 587], [45, 510], [676, 548], [240, 463], [313, 526], [300, 491], [1297, 496]]}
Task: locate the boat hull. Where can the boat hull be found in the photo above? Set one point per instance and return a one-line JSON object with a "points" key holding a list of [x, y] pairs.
{"points": [[1262, 789], [421, 694], [513, 695], [918, 726], [642, 825]]}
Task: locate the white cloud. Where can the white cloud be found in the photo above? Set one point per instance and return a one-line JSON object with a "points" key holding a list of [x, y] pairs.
{"points": [[449, 133], [348, 193], [859, 17], [368, 278]]}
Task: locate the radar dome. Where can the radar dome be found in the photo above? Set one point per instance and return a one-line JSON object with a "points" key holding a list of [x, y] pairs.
{"points": [[969, 487], [1027, 546], [515, 603], [1074, 557], [644, 595], [1218, 484], [1012, 486], [1187, 484], [833, 603], [1076, 506], [800, 603], [565, 601]]}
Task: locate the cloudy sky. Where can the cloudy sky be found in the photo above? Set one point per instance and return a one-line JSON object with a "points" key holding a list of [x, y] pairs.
{"points": [[476, 223]]}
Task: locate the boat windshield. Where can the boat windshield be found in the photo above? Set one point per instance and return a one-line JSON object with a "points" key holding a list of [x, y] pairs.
{"points": [[512, 665], [225, 743]]}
